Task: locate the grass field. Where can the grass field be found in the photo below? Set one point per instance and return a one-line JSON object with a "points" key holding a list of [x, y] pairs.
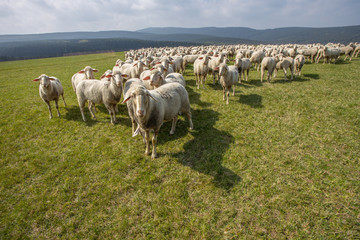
{"points": [[280, 161]]}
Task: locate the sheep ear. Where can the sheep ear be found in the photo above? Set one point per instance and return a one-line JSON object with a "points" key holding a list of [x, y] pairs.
{"points": [[147, 78], [51, 78], [125, 75], [108, 76], [152, 69], [165, 69], [117, 65], [217, 68], [36, 79], [82, 71], [127, 99], [95, 70], [158, 63], [200, 58], [102, 76]]}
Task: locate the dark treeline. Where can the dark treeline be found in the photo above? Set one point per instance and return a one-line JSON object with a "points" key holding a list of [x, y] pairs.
{"points": [[56, 48]]}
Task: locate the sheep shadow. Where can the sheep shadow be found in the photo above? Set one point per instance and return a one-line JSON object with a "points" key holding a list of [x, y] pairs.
{"points": [[195, 98], [253, 100], [73, 114], [312, 76], [205, 152]]}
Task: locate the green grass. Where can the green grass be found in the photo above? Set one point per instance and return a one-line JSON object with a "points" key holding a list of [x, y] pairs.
{"points": [[280, 161]]}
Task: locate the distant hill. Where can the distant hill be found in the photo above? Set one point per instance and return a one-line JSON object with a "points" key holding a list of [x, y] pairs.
{"points": [[278, 35], [23, 46]]}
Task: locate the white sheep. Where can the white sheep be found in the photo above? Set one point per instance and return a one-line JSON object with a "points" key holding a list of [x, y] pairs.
{"points": [[299, 63], [86, 73], [105, 92], [243, 66], [50, 89], [214, 62], [284, 64], [228, 77], [133, 70], [269, 64], [189, 59], [328, 54], [156, 79], [201, 70], [256, 58], [152, 107]]}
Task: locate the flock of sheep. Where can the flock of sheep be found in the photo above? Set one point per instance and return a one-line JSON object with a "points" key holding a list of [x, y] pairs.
{"points": [[153, 87]]}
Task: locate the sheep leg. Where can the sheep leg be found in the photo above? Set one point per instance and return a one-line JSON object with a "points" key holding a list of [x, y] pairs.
{"points": [[49, 107], [154, 142], [292, 73], [224, 93], [247, 74], [82, 105], [269, 76], [233, 87], [188, 115], [90, 106], [262, 75], [57, 107], [227, 95], [203, 81], [285, 72], [147, 142], [172, 131], [111, 110], [62, 95]]}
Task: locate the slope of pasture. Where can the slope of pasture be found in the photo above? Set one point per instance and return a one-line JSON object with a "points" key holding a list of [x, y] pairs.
{"points": [[280, 161]]}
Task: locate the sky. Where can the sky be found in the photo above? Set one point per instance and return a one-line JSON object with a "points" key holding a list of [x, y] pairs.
{"points": [[44, 16]]}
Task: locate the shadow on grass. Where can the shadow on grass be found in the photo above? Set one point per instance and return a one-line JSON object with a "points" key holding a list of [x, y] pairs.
{"points": [[195, 98], [73, 114], [206, 151], [253, 100], [313, 76]]}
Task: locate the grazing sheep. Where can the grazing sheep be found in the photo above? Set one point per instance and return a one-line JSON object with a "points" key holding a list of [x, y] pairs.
{"points": [[133, 70], [50, 89], [256, 58], [328, 54], [310, 53], [228, 77], [214, 62], [153, 107], [243, 65], [347, 50], [299, 63], [189, 59], [201, 70], [107, 93], [269, 64], [284, 64], [86, 73]]}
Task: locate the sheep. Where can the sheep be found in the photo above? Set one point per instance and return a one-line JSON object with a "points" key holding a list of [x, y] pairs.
{"points": [[356, 51], [130, 85], [152, 107], [328, 53], [201, 70], [243, 65], [214, 62], [86, 73], [299, 63], [269, 64], [347, 50], [284, 64], [189, 59], [256, 58], [311, 53], [107, 93], [177, 64], [50, 89], [228, 77], [157, 79], [133, 70]]}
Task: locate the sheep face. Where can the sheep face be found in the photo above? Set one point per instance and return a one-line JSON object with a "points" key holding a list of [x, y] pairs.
{"points": [[156, 79], [223, 69], [117, 79], [44, 80], [89, 72]]}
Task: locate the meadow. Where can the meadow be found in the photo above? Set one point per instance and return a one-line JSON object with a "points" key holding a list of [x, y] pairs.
{"points": [[281, 161]]}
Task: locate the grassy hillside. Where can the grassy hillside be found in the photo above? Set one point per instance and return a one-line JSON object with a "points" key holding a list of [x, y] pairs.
{"points": [[280, 161]]}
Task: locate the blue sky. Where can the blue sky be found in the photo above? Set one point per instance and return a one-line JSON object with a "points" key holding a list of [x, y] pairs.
{"points": [[42, 16]]}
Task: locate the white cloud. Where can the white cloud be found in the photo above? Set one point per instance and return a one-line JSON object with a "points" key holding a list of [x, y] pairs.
{"points": [[36, 16]]}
